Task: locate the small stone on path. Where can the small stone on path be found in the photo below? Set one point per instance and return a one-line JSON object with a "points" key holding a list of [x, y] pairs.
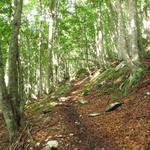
{"points": [[53, 144], [94, 114], [83, 102]]}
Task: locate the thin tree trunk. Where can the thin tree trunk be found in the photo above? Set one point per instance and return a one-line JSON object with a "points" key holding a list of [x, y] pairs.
{"points": [[39, 78], [66, 71], [50, 60], [39, 75], [29, 82], [21, 95]]}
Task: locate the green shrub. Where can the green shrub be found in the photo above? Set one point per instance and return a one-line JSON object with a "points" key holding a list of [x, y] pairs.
{"points": [[62, 89], [82, 73], [86, 89]]}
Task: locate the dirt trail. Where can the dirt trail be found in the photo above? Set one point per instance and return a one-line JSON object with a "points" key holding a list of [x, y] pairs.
{"points": [[67, 124], [83, 136], [126, 128]]}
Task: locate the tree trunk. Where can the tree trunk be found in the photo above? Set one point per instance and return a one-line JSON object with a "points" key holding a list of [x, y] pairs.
{"points": [[21, 93], [122, 44], [99, 39], [5, 104], [50, 60], [13, 62], [133, 33], [50, 66], [29, 82], [39, 71]]}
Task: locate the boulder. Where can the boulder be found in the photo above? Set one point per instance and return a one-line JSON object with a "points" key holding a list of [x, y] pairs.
{"points": [[112, 106], [51, 145]]}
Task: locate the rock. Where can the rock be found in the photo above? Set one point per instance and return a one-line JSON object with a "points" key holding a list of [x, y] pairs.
{"points": [[83, 102], [63, 99], [94, 114], [71, 134], [37, 144], [148, 93], [112, 106], [51, 145], [77, 122]]}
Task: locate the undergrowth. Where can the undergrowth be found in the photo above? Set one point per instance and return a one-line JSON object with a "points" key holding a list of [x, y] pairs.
{"points": [[62, 89], [86, 89], [119, 77]]}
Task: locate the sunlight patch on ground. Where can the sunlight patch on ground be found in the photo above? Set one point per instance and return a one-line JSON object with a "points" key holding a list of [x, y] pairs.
{"points": [[41, 135], [82, 81], [75, 92], [63, 99]]}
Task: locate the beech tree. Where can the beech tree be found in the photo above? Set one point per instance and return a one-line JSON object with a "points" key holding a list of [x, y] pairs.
{"points": [[51, 15], [133, 33], [5, 104], [10, 101]]}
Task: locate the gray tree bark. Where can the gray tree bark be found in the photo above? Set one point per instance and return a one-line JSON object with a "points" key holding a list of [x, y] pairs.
{"points": [[39, 69], [122, 43], [133, 33], [51, 67], [50, 55], [13, 63], [5, 104]]}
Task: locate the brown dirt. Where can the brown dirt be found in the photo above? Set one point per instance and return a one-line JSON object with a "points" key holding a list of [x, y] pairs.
{"points": [[126, 128]]}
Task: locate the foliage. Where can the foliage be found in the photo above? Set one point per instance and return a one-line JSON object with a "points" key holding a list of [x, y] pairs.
{"points": [[62, 89], [40, 106], [113, 98], [118, 76], [113, 73], [73, 45], [86, 89], [82, 73], [131, 80]]}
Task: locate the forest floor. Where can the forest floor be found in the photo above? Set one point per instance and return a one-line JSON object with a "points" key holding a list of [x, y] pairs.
{"points": [[72, 124]]}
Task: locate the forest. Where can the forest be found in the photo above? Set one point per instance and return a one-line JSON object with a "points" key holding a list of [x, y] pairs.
{"points": [[74, 75]]}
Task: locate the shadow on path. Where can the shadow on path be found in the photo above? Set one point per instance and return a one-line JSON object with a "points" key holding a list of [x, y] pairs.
{"points": [[86, 139]]}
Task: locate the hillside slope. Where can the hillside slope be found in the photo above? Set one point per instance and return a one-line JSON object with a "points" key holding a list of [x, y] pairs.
{"points": [[80, 122]]}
